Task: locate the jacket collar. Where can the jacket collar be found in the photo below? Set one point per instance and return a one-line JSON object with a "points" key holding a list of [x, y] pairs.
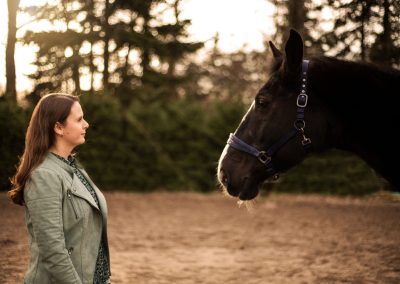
{"points": [[78, 188], [60, 163]]}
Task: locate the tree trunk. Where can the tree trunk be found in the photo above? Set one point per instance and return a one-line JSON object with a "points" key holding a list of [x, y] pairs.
{"points": [[91, 55], [75, 70], [297, 15], [106, 55], [91, 68], [145, 56], [366, 11], [386, 36], [11, 91]]}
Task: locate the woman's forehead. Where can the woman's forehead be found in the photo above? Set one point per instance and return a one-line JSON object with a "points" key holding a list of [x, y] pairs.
{"points": [[76, 109]]}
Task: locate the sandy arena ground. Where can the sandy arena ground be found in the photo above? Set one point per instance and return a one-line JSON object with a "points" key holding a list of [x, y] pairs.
{"points": [[206, 238]]}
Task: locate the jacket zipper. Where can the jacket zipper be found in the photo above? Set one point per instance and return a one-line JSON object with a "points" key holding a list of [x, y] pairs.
{"points": [[72, 202]]}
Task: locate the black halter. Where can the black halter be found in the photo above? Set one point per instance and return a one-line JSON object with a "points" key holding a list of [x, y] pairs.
{"points": [[265, 157]]}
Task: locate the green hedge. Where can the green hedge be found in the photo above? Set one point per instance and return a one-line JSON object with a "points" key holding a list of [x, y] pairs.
{"points": [[174, 145], [171, 145], [335, 172], [13, 124]]}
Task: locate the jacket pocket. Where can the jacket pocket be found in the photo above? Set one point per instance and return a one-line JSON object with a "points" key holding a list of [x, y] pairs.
{"points": [[72, 201]]}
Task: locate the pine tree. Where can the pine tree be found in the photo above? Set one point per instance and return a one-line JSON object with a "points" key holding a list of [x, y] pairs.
{"points": [[295, 14], [386, 48], [59, 59], [367, 30], [130, 45], [11, 91]]}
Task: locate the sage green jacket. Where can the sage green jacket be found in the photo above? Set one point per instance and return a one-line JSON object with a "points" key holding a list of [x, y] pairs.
{"points": [[64, 223]]}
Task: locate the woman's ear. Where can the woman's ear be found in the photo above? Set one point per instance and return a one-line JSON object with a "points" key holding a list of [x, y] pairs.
{"points": [[59, 129]]}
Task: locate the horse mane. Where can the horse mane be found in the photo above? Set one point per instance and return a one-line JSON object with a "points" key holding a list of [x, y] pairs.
{"points": [[351, 87], [362, 102], [358, 68]]}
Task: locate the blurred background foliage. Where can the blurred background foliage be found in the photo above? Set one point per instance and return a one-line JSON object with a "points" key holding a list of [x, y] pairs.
{"points": [[159, 116]]}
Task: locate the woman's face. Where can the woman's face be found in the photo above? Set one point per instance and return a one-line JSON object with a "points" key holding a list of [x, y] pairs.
{"points": [[74, 128]]}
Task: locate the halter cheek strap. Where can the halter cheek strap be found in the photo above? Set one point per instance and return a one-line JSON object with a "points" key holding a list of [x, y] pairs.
{"points": [[265, 157]]}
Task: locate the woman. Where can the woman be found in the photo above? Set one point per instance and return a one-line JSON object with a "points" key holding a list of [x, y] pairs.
{"points": [[66, 214]]}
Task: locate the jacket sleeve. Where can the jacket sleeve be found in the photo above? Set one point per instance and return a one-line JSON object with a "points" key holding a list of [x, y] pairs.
{"points": [[43, 199]]}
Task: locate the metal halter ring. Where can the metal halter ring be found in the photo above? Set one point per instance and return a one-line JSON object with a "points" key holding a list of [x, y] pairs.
{"points": [[299, 124], [264, 158]]}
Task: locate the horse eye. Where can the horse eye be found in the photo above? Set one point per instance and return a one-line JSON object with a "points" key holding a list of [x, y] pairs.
{"points": [[262, 101]]}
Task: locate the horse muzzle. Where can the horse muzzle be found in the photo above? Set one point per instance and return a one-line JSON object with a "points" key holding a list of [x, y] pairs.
{"points": [[244, 188]]}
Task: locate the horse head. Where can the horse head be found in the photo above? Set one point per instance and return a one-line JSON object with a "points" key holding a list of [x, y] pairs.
{"points": [[278, 129]]}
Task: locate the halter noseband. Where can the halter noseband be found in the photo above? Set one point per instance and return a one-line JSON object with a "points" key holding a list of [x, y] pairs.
{"points": [[265, 157]]}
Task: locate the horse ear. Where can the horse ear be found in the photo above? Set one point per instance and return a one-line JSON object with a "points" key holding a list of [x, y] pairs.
{"points": [[294, 51], [275, 51]]}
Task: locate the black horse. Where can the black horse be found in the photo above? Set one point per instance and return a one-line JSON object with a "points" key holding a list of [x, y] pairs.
{"points": [[314, 105]]}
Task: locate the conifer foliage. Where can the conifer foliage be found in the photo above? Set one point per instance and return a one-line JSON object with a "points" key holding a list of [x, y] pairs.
{"points": [[130, 46]]}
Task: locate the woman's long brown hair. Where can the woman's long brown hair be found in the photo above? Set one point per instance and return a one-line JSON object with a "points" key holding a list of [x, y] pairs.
{"points": [[40, 136]]}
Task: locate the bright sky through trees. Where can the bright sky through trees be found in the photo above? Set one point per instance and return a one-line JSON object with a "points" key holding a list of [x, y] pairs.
{"points": [[240, 24]]}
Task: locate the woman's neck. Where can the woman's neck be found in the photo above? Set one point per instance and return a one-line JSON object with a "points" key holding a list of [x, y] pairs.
{"points": [[60, 151]]}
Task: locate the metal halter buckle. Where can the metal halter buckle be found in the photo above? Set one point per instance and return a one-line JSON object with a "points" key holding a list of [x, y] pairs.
{"points": [[302, 100], [305, 141], [264, 158]]}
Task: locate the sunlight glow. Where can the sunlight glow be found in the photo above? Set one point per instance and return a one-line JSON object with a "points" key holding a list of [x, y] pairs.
{"points": [[24, 55], [239, 24]]}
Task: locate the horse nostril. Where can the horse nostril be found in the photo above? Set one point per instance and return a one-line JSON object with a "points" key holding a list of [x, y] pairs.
{"points": [[223, 177]]}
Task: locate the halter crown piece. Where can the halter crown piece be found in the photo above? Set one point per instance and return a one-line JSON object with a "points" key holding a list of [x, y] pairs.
{"points": [[265, 157]]}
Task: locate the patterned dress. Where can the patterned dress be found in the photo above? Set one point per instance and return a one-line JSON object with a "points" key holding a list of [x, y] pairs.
{"points": [[101, 273]]}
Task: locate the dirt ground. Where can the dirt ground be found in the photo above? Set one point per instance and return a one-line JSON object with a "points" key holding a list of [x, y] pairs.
{"points": [[207, 238]]}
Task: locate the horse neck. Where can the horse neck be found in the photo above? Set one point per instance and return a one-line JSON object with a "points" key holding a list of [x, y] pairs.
{"points": [[363, 108]]}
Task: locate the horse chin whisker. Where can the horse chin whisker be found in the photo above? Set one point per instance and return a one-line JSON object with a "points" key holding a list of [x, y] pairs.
{"points": [[249, 204], [224, 190]]}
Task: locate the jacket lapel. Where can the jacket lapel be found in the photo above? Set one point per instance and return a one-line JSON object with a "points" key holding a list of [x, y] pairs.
{"points": [[80, 190], [100, 197]]}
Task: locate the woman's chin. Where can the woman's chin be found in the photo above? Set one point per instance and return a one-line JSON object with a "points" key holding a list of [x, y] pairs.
{"points": [[81, 141]]}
